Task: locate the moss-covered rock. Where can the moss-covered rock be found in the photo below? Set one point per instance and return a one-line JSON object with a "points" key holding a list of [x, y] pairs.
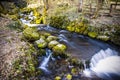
{"points": [[59, 48], [103, 37], [31, 34], [36, 13], [51, 38], [58, 21], [69, 77], [71, 28], [41, 43], [57, 78], [52, 44], [92, 34], [39, 20]]}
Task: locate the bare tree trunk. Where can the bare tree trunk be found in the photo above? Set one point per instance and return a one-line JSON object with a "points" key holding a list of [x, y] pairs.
{"points": [[80, 5], [90, 5]]}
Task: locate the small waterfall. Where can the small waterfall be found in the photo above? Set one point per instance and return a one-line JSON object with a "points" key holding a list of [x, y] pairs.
{"points": [[104, 64], [45, 61]]}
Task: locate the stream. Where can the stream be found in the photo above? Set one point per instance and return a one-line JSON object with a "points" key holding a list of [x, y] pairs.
{"points": [[104, 58]]}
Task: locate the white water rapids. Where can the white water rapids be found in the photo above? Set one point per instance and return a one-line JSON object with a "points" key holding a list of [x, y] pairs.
{"points": [[105, 64], [45, 61]]}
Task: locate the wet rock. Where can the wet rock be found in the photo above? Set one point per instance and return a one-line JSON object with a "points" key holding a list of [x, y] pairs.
{"points": [[104, 38], [60, 48], [41, 43], [69, 77], [31, 34], [92, 34], [52, 44], [57, 78], [39, 21], [51, 38]]}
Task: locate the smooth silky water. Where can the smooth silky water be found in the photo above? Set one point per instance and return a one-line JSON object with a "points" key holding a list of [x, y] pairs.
{"points": [[104, 58]]}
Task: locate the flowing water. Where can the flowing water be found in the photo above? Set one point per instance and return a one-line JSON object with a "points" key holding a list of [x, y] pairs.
{"points": [[104, 58], [45, 61]]}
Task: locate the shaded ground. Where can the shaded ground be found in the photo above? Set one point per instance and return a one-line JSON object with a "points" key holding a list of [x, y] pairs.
{"points": [[10, 44]]}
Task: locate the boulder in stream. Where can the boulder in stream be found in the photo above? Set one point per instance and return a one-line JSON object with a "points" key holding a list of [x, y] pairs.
{"points": [[41, 43], [60, 48], [52, 43], [31, 34]]}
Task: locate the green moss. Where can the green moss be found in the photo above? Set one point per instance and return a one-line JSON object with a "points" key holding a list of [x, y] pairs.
{"points": [[69, 77], [31, 34], [41, 43], [59, 48], [103, 37], [92, 34], [45, 34], [39, 20], [26, 10], [57, 78], [41, 52], [71, 28], [51, 38], [52, 44], [25, 67], [58, 21], [82, 29]]}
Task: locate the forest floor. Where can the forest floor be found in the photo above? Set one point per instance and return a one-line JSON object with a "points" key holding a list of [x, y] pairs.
{"points": [[10, 44]]}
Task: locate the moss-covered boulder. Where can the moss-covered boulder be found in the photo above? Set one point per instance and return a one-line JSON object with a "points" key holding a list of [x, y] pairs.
{"points": [[59, 48], [92, 34], [57, 78], [41, 43], [58, 21], [39, 20], [51, 38], [31, 34], [69, 77], [71, 28], [52, 44], [103, 37]]}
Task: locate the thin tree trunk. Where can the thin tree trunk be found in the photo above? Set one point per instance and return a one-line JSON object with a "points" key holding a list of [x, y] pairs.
{"points": [[80, 5]]}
